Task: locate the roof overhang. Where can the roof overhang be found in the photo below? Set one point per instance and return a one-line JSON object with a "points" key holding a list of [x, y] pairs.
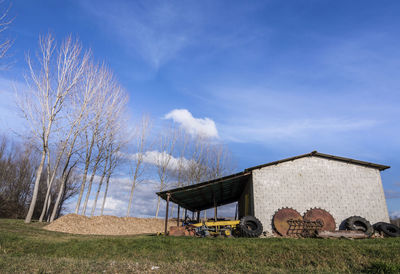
{"points": [[208, 194]]}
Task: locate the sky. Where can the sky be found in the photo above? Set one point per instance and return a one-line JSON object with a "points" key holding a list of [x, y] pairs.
{"points": [[270, 79]]}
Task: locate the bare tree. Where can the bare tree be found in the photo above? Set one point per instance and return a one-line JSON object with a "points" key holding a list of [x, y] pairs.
{"points": [[219, 161], [50, 86], [79, 109], [114, 159], [17, 169], [4, 24], [107, 118], [197, 166], [103, 175], [166, 143], [137, 162]]}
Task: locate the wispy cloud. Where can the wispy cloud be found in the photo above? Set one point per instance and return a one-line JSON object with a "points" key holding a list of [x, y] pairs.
{"points": [[195, 126], [10, 118], [158, 31], [161, 31]]}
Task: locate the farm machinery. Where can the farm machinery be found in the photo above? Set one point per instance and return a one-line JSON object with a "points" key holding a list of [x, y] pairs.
{"points": [[287, 222], [247, 226]]}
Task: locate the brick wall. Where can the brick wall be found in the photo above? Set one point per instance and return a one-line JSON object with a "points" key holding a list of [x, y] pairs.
{"points": [[341, 188]]}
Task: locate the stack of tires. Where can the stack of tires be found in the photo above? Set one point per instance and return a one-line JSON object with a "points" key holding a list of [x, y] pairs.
{"points": [[389, 230], [361, 224]]}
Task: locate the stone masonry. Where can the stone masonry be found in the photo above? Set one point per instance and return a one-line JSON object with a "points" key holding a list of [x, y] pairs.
{"points": [[343, 189]]}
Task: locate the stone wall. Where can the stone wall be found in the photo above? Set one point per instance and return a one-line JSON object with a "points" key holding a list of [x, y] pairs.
{"points": [[343, 189]]}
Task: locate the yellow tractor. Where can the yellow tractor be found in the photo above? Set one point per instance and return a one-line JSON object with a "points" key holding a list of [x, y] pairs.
{"points": [[247, 226]]}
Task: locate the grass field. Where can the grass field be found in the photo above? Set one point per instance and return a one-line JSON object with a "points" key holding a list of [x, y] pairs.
{"points": [[29, 248]]}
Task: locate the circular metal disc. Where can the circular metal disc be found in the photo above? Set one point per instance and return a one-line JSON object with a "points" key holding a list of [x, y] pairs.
{"points": [[315, 214], [282, 216]]}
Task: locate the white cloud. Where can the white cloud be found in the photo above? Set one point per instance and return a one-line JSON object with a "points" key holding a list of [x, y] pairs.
{"points": [[395, 214], [155, 157], [195, 126]]}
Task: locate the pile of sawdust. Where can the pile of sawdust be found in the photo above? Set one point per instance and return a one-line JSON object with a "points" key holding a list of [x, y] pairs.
{"points": [[106, 225]]}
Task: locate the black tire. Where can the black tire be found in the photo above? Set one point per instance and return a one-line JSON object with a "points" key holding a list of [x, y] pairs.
{"points": [[390, 230], [250, 227], [377, 226], [360, 224]]}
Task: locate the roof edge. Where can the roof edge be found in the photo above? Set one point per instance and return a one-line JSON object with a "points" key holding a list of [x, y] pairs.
{"points": [[322, 155], [239, 174]]}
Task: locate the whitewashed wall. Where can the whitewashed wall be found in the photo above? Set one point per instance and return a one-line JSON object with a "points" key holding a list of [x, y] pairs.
{"points": [[341, 188]]}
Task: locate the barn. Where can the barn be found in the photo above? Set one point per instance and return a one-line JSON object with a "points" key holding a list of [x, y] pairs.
{"points": [[344, 187]]}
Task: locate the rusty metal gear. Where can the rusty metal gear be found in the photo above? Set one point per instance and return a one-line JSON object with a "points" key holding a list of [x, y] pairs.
{"points": [[320, 215], [281, 218]]}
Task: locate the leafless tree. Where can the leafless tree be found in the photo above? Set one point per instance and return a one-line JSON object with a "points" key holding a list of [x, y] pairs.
{"points": [[17, 168], [219, 161], [113, 160], [107, 119], [197, 168], [5, 22], [50, 85], [166, 144], [137, 163]]}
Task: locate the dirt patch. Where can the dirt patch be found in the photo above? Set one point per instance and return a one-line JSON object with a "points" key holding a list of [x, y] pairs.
{"points": [[106, 225]]}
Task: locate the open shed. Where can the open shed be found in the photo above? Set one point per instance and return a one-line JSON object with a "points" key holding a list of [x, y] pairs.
{"points": [[342, 186]]}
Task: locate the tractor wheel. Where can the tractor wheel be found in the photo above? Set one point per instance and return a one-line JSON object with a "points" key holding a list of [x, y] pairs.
{"points": [[377, 226], [250, 227], [360, 224], [390, 230]]}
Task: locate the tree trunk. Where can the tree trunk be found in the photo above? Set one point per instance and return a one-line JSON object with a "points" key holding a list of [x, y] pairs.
{"points": [[105, 194], [91, 182], [48, 188], [130, 200], [78, 203], [60, 193], [99, 188], [158, 206], [36, 188], [47, 214]]}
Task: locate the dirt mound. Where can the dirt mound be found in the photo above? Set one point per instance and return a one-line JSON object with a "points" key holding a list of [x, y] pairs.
{"points": [[106, 225]]}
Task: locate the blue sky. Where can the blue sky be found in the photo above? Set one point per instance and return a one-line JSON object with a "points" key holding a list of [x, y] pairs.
{"points": [[278, 78]]}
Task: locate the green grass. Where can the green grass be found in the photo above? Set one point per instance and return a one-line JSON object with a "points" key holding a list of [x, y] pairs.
{"points": [[29, 248]]}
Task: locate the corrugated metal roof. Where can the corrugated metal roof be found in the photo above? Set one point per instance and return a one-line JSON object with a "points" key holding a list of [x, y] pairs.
{"points": [[205, 195], [228, 189]]}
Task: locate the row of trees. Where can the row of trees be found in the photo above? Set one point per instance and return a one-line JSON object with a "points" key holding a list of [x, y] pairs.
{"points": [[75, 111], [174, 158], [18, 163]]}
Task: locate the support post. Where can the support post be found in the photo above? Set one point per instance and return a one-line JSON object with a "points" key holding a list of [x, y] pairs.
{"points": [[215, 210], [198, 216], [177, 221], [236, 211], [192, 215], [166, 215]]}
